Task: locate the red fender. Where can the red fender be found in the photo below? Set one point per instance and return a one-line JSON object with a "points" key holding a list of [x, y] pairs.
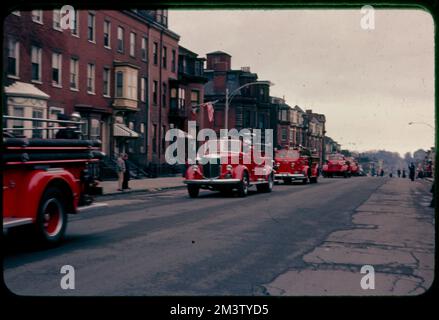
{"points": [[33, 184]]}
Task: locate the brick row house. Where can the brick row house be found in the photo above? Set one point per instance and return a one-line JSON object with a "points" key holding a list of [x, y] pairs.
{"points": [[249, 107], [115, 68]]}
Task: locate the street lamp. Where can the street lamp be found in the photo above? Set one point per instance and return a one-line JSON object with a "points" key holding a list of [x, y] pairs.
{"points": [[424, 123], [230, 96]]}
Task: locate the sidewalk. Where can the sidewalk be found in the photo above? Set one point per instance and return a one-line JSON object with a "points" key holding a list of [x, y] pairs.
{"points": [[147, 184], [393, 231]]}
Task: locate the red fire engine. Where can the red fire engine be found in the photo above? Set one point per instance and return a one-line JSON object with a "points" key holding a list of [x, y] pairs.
{"points": [[296, 164], [336, 165], [46, 179], [228, 170]]}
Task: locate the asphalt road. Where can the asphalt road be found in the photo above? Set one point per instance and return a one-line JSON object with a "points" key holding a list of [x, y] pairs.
{"points": [[165, 243]]}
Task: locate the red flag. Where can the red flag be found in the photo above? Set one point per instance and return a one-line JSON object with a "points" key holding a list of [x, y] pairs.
{"points": [[210, 110]]}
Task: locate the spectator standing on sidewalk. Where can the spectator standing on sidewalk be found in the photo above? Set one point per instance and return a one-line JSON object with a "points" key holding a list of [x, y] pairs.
{"points": [[399, 173], [403, 173], [126, 175], [412, 171], [121, 168]]}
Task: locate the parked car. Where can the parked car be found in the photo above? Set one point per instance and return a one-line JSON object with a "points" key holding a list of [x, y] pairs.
{"points": [[336, 165], [296, 165], [217, 171]]}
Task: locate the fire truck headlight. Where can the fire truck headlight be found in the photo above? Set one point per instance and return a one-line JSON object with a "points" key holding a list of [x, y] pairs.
{"points": [[229, 167], [195, 167]]}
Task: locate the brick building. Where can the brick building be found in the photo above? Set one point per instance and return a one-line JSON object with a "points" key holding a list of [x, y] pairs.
{"points": [[113, 67], [315, 130], [188, 91], [249, 107], [282, 117]]}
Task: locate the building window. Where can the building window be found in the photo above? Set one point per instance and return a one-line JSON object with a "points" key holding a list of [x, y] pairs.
{"points": [[18, 124], [74, 73], [37, 16], [57, 19], [164, 57], [13, 57], [173, 61], [106, 78], [155, 52], [56, 69], [36, 63], [163, 137], [91, 78], [38, 114], [75, 30], [144, 49], [91, 27], [164, 94], [284, 134], [154, 138], [132, 44], [132, 85], [107, 32], [195, 97], [119, 84], [246, 119], [154, 92], [142, 89], [120, 33], [181, 99], [95, 129]]}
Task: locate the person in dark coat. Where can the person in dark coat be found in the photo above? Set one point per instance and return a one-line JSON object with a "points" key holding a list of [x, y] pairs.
{"points": [[403, 174], [70, 131], [399, 173], [126, 174], [412, 171]]}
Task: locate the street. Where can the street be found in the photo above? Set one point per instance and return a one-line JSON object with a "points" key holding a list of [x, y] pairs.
{"points": [[164, 243]]}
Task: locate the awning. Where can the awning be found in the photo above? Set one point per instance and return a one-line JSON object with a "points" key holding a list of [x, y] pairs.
{"points": [[121, 130]]}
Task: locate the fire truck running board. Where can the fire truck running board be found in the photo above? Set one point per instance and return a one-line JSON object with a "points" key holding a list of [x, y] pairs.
{"points": [[15, 222]]}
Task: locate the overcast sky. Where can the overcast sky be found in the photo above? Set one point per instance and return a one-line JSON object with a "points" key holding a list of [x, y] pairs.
{"points": [[368, 83]]}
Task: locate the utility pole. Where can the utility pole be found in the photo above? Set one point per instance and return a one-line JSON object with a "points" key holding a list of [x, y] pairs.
{"points": [[226, 113]]}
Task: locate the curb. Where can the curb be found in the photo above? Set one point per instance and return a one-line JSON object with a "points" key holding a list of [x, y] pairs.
{"points": [[141, 190]]}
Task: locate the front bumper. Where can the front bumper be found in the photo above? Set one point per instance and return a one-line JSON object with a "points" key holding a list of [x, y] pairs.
{"points": [[206, 182], [286, 175]]}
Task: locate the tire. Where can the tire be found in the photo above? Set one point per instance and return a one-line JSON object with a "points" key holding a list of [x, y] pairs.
{"points": [[193, 191], [305, 181], [243, 186], [288, 181], [345, 175], [313, 180], [266, 187], [51, 220]]}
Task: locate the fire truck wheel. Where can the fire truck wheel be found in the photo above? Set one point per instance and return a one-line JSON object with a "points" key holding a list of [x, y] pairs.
{"points": [[193, 191], [305, 181], [266, 187], [243, 185], [288, 181], [52, 217]]}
